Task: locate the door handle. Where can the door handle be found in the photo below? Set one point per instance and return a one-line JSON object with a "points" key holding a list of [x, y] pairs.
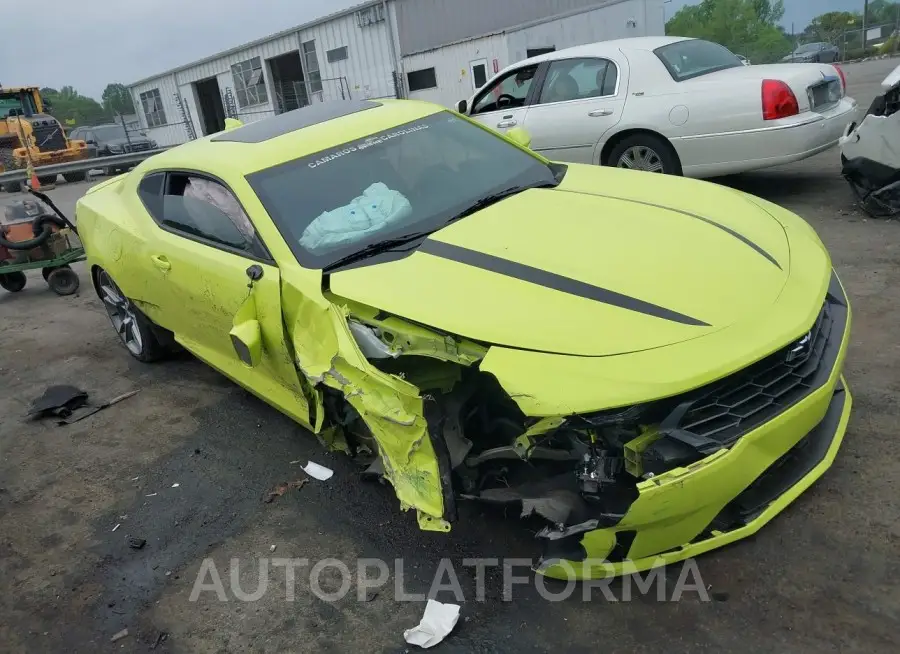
{"points": [[600, 112], [507, 123], [161, 262]]}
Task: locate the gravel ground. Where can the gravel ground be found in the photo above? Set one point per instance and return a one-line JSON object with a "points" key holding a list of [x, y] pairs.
{"points": [[821, 577]]}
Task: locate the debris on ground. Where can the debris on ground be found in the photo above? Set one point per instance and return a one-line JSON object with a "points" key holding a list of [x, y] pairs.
{"points": [[60, 401], [119, 635], [176, 485], [272, 548], [437, 622], [91, 410], [135, 543], [316, 471], [281, 489], [118, 524], [160, 639]]}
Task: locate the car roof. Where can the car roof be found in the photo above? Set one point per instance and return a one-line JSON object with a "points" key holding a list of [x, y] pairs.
{"points": [[288, 136], [603, 47]]}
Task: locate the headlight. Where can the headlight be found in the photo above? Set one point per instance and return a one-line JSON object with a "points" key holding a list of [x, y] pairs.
{"points": [[116, 148], [153, 144]]}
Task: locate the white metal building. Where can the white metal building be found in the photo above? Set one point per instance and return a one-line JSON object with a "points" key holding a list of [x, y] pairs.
{"points": [[437, 50]]}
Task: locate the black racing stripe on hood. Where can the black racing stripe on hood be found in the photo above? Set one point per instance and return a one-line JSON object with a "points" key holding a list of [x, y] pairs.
{"points": [[728, 230], [552, 280]]}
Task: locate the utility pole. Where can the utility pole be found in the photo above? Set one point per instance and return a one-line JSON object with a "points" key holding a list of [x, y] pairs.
{"points": [[865, 28]]}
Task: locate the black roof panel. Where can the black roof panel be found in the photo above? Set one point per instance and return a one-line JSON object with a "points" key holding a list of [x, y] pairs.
{"points": [[291, 121]]}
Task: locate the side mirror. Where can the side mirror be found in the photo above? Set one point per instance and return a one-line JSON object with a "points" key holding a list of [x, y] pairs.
{"points": [[246, 338], [462, 106], [520, 136]]}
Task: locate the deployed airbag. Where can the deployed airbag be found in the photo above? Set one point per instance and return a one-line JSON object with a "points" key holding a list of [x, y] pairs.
{"points": [[376, 209]]}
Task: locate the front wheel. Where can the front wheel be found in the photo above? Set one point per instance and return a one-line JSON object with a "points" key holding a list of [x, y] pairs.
{"points": [[134, 329], [645, 152], [13, 282], [71, 178], [63, 280]]}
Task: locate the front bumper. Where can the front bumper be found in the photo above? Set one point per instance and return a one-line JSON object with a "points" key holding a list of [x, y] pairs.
{"points": [[720, 499]]}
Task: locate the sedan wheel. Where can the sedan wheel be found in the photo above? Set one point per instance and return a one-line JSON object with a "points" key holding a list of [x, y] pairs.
{"points": [[640, 157], [133, 328]]}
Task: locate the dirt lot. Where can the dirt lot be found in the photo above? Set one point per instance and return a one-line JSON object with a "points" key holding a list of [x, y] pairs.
{"points": [[822, 577]]}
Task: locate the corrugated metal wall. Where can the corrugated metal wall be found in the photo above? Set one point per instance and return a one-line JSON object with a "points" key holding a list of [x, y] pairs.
{"points": [[603, 24], [452, 70], [368, 67], [173, 132], [425, 24]]}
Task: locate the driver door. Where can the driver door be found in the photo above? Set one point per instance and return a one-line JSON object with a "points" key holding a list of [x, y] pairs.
{"points": [[198, 262], [504, 102]]}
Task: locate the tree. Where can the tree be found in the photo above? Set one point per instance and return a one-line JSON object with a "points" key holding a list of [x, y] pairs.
{"points": [[830, 27], [747, 27], [71, 107], [117, 99]]}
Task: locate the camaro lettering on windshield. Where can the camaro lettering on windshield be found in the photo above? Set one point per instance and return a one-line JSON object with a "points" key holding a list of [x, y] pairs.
{"points": [[369, 142]]}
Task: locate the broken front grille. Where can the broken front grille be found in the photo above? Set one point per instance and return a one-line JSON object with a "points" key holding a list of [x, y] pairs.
{"points": [[724, 411]]}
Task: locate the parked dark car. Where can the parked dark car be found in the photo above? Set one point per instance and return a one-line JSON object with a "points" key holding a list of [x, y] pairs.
{"points": [[111, 140], [814, 53]]}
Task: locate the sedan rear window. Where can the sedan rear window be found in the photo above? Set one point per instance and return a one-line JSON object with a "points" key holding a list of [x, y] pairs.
{"points": [[688, 59]]}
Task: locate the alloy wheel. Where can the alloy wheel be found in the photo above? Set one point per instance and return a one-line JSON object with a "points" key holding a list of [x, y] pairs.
{"points": [[121, 313], [640, 157]]}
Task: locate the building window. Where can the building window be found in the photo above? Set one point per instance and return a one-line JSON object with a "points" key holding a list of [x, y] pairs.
{"points": [[370, 15], [419, 80], [338, 54], [536, 52], [313, 76], [152, 104], [249, 83]]}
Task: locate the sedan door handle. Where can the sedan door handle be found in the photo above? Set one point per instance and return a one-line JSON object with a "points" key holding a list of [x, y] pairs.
{"points": [[600, 112], [161, 262], [507, 123]]}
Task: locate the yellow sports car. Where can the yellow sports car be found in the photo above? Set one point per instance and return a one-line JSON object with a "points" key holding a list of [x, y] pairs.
{"points": [[649, 366]]}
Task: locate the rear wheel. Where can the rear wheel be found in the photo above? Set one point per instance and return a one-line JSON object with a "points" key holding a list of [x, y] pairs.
{"points": [[71, 178], [13, 282], [63, 281], [47, 180], [644, 152], [134, 329]]}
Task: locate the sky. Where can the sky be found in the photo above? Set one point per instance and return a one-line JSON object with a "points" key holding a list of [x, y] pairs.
{"points": [[127, 40]]}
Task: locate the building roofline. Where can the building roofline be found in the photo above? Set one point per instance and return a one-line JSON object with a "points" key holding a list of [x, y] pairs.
{"points": [[259, 41], [600, 4]]}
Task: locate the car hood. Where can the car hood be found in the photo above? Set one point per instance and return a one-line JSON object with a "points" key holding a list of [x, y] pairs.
{"points": [[124, 141], [609, 262]]}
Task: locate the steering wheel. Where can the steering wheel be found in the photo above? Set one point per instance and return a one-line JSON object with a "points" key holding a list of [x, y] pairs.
{"points": [[509, 100]]}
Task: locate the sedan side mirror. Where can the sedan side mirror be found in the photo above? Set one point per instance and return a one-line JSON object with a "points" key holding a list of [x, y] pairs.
{"points": [[462, 106], [520, 136]]}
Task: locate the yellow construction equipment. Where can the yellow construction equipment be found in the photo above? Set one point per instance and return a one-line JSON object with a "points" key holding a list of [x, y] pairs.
{"points": [[29, 134]]}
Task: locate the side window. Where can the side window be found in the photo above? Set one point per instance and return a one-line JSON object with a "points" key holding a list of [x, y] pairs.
{"points": [[509, 92], [200, 207], [579, 79]]}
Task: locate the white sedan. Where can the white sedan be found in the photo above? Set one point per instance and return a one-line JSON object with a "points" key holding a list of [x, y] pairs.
{"points": [[667, 104]]}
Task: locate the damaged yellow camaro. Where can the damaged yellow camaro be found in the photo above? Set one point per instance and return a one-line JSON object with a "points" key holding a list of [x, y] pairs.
{"points": [[649, 366]]}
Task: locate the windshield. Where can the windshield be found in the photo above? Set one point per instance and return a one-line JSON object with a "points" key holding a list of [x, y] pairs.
{"points": [[687, 59], [403, 181], [17, 102], [109, 132], [809, 47]]}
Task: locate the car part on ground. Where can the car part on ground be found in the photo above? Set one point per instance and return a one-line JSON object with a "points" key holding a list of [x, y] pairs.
{"points": [[870, 152], [494, 342]]}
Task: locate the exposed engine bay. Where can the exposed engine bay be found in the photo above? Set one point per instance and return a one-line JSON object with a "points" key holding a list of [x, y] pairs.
{"points": [[870, 152]]}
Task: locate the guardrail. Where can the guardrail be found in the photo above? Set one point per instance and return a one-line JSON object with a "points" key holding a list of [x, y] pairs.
{"points": [[21, 175]]}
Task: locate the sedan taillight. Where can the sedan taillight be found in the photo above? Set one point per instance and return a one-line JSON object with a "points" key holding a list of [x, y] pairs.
{"points": [[778, 100], [843, 77]]}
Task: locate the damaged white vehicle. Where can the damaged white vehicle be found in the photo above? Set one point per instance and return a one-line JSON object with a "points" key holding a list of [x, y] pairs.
{"points": [[870, 152]]}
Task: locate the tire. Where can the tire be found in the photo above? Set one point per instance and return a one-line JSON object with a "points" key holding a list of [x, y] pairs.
{"points": [[13, 282], [109, 171], [136, 332], [645, 152], [63, 281], [47, 180], [71, 178], [12, 187]]}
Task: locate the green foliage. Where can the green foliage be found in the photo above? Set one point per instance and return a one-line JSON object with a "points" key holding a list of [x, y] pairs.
{"points": [[117, 99], [746, 27], [70, 107], [830, 26]]}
